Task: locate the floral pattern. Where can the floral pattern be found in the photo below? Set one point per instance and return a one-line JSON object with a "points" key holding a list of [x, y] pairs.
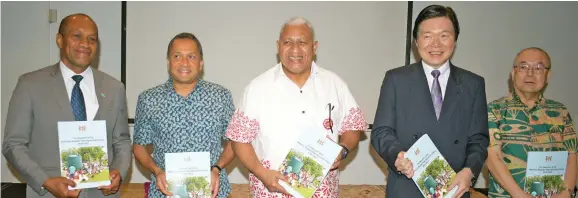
{"points": [[329, 187], [354, 120], [242, 129], [173, 123]]}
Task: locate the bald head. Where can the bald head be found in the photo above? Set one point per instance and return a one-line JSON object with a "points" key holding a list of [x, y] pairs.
{"points": [[75, 18], [77, 39], [534, 54], [531, 71]]}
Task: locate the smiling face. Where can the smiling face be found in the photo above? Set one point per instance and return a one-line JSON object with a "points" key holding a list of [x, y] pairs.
{"points": [[185, 62], [436, 41], [296, 48], [78, 42], [531, 71]]}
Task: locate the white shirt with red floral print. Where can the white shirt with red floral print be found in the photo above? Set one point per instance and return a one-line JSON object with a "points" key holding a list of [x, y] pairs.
{"points": [[274, 112]]}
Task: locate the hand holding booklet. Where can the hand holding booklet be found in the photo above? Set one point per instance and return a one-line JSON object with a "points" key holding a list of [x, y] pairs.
{"points": [[188, 174], [545, 173], [307, 163], [83, 153], [432, 173]]}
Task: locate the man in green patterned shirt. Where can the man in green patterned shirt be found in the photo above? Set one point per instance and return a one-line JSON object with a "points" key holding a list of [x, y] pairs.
{"points": [[526, 121]]}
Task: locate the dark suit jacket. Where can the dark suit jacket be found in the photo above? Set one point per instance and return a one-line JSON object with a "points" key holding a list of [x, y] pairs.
{"points": [[38, 102], [405, 112]]}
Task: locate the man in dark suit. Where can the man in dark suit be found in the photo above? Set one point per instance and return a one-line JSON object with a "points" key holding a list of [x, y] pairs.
{"points": [[432, 97], [67, 91]]}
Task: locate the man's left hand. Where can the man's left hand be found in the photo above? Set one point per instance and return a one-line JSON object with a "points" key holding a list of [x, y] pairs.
{"points": [[463, 180], [215, 179], [114, 184], [335, 165], [563, 194]]}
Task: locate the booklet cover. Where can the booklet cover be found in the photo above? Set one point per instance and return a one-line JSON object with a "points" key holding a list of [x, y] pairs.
{"points": [[307, 164], [545, 173], [432, 173], [188, 174], [83, 153]]}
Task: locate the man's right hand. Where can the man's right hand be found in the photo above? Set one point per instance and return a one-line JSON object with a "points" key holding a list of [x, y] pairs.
{"points": [[271, 181], [162, 183], [521, 194], [58, 186], [403, 165]]}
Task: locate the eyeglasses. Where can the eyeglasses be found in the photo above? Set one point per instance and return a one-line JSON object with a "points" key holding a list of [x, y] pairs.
{"points": [[525, 67], [330, 108]]}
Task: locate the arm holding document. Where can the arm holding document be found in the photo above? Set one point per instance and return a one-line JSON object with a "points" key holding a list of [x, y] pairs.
{"points": [[570, 142], [384, 136], [15, 147], [142, 137]]}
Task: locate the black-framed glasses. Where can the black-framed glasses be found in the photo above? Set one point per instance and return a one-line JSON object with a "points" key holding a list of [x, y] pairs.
{"points": [[526, 67], [330, 108]]}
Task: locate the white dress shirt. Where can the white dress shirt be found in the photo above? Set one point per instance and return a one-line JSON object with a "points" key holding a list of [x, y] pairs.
{"points": [[86, 86], [443, 78]]}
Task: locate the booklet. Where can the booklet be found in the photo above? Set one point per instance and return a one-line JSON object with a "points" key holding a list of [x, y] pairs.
{"points": [[307, 163], [83, 153], [545, 173], [432, 173], [188, 174]]}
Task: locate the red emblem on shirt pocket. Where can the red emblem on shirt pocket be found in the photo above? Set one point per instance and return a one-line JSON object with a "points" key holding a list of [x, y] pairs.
{"points": [[328, 123]]}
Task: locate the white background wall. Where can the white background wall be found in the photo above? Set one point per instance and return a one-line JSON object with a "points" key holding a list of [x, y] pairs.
{"points": [[357, 40]]}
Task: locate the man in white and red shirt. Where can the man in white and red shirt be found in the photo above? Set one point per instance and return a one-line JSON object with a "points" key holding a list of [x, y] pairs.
{"points": [[294, 97]]}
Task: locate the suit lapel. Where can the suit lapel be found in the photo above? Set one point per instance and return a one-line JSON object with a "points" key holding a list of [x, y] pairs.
{"points": [[100, 94], [451, 98], [422, 92], [60, 93]]}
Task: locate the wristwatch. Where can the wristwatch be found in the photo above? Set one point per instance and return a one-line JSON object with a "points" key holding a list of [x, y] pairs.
{"points": [[217, 167], [345, 152], [572, 193]]}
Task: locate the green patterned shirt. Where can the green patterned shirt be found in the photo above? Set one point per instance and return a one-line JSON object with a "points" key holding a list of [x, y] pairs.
{"points": [[517, 129]]}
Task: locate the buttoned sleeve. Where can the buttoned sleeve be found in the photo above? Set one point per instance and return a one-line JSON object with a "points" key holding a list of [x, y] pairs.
{"points": [[494, 126], [351, 115], [569, 136], [143, 132], [244, 124]]}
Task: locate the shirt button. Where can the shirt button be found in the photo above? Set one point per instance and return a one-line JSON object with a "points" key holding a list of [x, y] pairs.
{"points": [[300, 91], [456, 142], [303, 112]]}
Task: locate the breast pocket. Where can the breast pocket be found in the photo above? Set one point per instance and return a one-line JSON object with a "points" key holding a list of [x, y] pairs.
{"points": [[329, 118], [208, 125]]}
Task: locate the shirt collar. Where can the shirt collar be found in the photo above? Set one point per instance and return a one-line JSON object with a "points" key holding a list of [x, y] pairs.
{"points": [[279, 71], [67, 73], [513, 97], [444, 69], [169, 85]]}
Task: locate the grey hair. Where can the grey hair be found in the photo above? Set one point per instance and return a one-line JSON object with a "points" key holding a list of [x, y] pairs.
{"points": [[298, 21]]}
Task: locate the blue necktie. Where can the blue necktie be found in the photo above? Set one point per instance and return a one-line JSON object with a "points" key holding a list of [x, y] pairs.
{"points": [[436, 93], [77, 100]]}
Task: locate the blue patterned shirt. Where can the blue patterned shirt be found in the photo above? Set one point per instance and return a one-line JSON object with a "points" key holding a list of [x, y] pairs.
{"points": [[173, 123]]}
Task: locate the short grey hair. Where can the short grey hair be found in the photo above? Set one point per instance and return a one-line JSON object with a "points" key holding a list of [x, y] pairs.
{"points": [[298, 20]]}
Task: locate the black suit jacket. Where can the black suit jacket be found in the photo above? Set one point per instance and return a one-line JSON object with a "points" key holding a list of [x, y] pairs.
{"points": [[405, 112]]}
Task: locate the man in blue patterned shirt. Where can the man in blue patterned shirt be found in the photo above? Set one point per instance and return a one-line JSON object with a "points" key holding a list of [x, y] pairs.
{"points": [[185, 114]]}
